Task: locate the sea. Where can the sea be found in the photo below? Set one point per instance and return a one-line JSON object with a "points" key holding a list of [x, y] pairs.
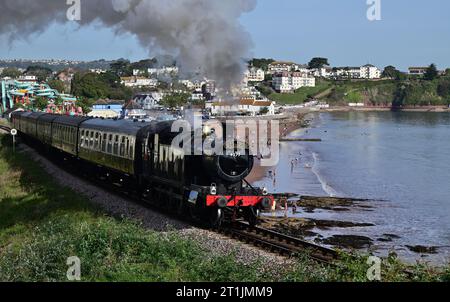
{"points": [[399, 161]]}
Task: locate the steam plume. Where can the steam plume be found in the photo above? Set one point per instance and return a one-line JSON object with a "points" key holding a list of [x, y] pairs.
{"points": [[204, 35]]}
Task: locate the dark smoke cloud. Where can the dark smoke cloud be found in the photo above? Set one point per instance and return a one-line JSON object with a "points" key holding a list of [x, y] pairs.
{"points": [[204, 35]]}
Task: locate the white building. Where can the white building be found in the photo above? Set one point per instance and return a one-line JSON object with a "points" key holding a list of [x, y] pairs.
{"points": [[302, 68], [149, 101], [254, 75], [286, 82], [245, 106], [417, 70], [171, 70], [27, 79], [323, 72], [348, 72], [136, 81], [97, 70], [370, 72], [277, 67]]}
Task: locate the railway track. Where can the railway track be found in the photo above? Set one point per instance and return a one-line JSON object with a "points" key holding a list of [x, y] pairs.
{"points": [[5, 128], [279, 243]]}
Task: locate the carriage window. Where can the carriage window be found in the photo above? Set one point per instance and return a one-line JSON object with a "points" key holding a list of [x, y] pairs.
{"points": [[122, 147], [128, 147], [91, 142], [116, 145], [109, 144], [104, 142], [96, 141]]}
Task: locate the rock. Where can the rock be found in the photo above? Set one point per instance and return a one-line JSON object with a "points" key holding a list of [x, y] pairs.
{"points": [[311, 203], [348, 241], [419, 249]]}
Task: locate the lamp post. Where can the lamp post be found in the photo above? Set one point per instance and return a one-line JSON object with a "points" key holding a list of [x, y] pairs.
{"points": [[13, 134]]}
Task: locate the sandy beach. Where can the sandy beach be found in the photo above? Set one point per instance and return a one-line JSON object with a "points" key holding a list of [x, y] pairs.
{"points": [[289, 124]]}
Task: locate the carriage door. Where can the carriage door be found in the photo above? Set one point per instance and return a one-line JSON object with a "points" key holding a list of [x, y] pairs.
{"points": [[147, 155]]}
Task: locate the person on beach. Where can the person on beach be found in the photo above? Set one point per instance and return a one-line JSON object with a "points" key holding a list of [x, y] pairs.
{"points": [[294, 209], [285, 205]]}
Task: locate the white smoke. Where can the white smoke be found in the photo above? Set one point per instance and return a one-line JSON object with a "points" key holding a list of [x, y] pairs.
{"points": [[205, 36]]}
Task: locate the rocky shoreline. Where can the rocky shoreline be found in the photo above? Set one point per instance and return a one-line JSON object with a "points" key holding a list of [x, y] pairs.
{"points": [[312, 229]]}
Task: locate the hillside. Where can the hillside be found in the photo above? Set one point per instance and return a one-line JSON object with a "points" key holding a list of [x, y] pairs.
{"points": [[410, 92]]}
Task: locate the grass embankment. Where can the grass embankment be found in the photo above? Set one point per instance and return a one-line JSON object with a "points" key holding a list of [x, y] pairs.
{"points": [[43, 223], [300, 95]]}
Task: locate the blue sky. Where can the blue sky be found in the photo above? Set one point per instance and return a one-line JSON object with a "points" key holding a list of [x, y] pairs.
{"points": [[411, 32]]}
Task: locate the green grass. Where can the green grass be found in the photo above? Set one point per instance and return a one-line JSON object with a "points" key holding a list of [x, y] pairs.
{"points": [[43, 223], [300, 95]]}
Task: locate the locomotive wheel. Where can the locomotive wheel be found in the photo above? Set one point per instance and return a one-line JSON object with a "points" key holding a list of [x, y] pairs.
{"points": [[180, 208], [252, 216], [216, 217]]}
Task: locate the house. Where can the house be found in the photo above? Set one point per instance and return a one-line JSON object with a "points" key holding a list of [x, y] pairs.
{"points": [[244, 107], [285, 82], [417, 70], [254, 75], [97, 70], [323, 72], [107, 104], [277, 67], [356, 104], [133, 110], [166, 70], [149, 101], [370, 72], [137, 81], [347, 72], [27, 79], [302, 68]]}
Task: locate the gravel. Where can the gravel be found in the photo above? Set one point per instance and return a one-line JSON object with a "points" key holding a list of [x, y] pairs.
{"points": [[212, 243]]}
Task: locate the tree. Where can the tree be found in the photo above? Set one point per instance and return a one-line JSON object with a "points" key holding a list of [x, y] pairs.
{"points": [[85, 104], [392, 72], [431, 73], [144, 64], [57, 85], [443, 89], [96, 86], [59, 101], [11, 72], [176, 99], [40, 103], [265, 90], [264, 111], [261, 63], [318, 63], [122, 68], [447, 72], [41, 73]]}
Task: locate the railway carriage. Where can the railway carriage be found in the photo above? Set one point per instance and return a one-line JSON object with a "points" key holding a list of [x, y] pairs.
{"points": [[44, 128], [65, 133], [112, 144]]}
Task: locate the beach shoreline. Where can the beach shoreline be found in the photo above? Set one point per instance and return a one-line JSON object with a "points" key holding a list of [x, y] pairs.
{"points": [[294, 121]]}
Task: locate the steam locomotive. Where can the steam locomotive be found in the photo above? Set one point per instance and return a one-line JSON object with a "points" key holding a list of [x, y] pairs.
{"points": [[140, 157]]}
